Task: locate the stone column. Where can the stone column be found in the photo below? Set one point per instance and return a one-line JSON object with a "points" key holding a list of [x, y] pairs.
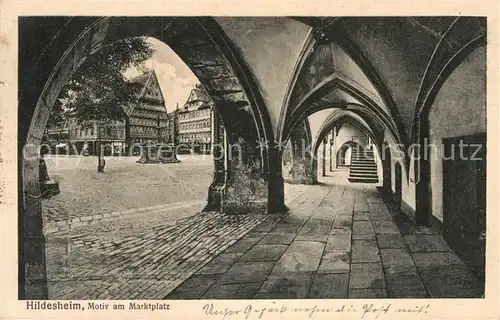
{"points": [[330, 142], [32, 257], [324, 158], [275, 181], [303, 165], [240, 184], [422, 188]]}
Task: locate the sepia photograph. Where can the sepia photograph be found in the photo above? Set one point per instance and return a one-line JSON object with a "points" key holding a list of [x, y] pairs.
{"points": [[253, 158]]}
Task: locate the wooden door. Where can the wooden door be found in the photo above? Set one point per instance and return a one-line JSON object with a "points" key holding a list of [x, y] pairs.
{"points": [[464, 199]]}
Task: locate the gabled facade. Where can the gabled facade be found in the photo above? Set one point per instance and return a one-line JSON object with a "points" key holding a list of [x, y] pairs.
{"points": [[195, 120], [148, 120]]}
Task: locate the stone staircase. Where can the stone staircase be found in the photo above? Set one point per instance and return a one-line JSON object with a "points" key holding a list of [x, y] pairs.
{"points": [[363, 167]]}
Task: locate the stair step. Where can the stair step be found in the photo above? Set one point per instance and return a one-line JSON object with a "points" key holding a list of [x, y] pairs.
{"points": [[369, 172], [363, 175], [363, 180]]}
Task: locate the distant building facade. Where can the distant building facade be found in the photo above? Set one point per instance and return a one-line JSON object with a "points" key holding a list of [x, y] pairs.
{"points": [[195, 121], [57, 133], [148, 120], [85, 137]]}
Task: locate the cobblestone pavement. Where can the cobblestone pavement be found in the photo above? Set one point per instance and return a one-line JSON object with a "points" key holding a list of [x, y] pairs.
{"points": [[124, 185], [143, 255], [340, 240]]}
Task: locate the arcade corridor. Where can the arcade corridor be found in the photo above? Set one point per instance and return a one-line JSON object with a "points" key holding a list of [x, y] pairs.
{"points": [[409, 91]]}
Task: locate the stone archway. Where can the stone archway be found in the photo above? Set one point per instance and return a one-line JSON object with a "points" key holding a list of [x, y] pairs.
{"points": [[343, 156], [443, 62], [252, 176]]}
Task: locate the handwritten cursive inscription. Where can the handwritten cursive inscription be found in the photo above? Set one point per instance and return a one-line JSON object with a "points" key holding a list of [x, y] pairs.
{"points": [[367, 311]]}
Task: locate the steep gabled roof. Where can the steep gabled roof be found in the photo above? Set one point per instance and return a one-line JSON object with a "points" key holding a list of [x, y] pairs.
{"points": [[144, 80], [198, 93]]}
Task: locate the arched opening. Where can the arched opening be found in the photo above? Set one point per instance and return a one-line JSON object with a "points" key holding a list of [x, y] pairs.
{"points": [[344, 153], [244, 178]]}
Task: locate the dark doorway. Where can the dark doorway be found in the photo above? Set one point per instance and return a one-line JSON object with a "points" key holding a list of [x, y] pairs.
{"points": [[464, 199], [398, 183], [386, 162]]}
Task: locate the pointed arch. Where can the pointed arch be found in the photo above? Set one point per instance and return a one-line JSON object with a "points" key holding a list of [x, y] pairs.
{"points": [[336, 81]]}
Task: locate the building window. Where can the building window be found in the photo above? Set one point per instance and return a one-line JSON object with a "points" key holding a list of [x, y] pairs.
{"points": [[81, 132], [92, 131], [86, 131]]}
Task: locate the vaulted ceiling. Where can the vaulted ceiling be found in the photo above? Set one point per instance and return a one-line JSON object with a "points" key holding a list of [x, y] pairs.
{"points": [[378, 64]]}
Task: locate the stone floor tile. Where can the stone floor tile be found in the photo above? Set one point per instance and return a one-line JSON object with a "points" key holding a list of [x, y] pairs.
{"points": [[334, 262], [314, 230], [346, 206], [267, 225], [291, 286], [361, 205], [367, 293], [192, 288], [265, 252], [220, 264], [385, 227], [293, 220], [365, 251], [397, 261], [363, 230], [374, 199], [454, 281], [436, 259], [379, 211], [390, 241], [426, 243], [286, 229], [406, 226], [340, 231], [367, 235], [339, 242], [366, 275], [247, 272], [246, 242], [278, 238], [329, 286], [325, 212], [405, 286], [361, 226], [232, 291], [342, 221], [300, 256], [361, 215], [395, 257]]}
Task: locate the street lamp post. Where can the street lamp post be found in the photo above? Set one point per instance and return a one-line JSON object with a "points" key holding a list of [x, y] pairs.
{"points": [[100, 160]]}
